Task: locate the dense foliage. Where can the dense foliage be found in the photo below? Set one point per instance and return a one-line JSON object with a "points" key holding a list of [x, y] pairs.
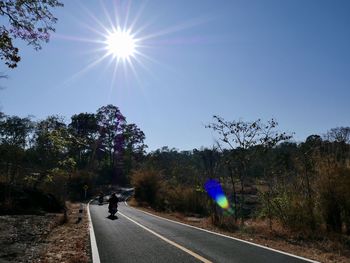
{"points": [[93, 149]]}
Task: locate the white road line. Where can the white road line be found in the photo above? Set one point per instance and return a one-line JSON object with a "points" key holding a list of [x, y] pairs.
{"points": [[222, 235], [94, 250], [193, 254]]}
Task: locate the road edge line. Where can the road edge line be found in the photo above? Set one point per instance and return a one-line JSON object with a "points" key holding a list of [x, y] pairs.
{"points": [[234, 238], [190, 252], [94, 249]]}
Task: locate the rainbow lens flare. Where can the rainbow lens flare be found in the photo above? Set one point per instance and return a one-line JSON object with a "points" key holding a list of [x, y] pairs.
{"points": [[215, 191]]}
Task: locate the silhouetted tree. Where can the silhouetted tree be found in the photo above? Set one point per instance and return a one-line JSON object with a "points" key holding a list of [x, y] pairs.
{"points": [[83, 131], [121, 142], [339, 134]]}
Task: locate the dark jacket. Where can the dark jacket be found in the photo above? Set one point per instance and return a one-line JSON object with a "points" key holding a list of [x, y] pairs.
{"points": [[113, 201]]}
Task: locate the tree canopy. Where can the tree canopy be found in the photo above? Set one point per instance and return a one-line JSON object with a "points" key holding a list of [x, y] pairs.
{"points": [[28, 20]]}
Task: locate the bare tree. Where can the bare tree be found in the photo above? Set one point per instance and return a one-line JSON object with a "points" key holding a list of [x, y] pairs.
{"points": [[339, 134], [242, 137]]}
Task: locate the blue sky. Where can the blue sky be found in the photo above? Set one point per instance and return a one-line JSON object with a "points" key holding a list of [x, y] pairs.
{"points": [[289, 60]]}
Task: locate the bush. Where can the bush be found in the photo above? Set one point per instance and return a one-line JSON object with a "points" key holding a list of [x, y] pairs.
{"points": [[334, 197], [186, 199], [288, 207], [22, 200], [148, 186]]}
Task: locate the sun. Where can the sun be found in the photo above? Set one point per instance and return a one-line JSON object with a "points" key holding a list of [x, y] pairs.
{"points": [[123, 40], [121, 44]]}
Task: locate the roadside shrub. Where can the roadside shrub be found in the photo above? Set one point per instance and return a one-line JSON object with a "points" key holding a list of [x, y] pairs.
{"points": [[334, 198], [288, 207], [23, 200], [76, 185], [148, 187], [186, 199]]}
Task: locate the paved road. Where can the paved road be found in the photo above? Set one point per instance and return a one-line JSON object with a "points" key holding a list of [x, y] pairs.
{"points": [[138, 237]]}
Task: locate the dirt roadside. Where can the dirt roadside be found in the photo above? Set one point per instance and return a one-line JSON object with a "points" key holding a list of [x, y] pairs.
{"points": [[22, 237], [257, 232], [45, 238]]}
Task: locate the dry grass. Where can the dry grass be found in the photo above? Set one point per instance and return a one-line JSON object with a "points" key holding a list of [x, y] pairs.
{"points": [[322, 248], [69, 242]]}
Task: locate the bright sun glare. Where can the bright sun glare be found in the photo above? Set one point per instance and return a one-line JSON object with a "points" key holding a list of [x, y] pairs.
{"points": [[121, 44], [123, 41]]}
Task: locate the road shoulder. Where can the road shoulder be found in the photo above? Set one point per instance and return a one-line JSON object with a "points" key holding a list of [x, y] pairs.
{"points": [[69, 241]]}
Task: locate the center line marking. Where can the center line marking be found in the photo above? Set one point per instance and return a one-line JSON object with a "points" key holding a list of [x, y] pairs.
{"points": [[193, 254]]}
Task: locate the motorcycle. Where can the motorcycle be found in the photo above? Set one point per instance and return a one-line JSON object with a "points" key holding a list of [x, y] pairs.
{"points": [[100, 200], [113, 210]]}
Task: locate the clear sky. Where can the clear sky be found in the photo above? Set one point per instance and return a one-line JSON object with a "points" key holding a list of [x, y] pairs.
{"points": [[238, 59]]}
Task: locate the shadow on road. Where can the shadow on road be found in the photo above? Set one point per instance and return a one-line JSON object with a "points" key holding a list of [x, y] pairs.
{"points": [[112, 217]]}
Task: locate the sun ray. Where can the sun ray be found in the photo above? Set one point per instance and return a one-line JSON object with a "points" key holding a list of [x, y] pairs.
{"points": [[144, 26], [176, 28], [137, 16], [111, 24], [114, 74], [85, 69], [98, 22], [133, 70], [143, 66], [127, 12], [101, 34], [147, 57], [116, 16], [77, 39]]}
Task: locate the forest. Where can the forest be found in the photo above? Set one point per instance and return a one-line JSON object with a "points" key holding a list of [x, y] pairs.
{"points": [[303, 186], [63, 159]]}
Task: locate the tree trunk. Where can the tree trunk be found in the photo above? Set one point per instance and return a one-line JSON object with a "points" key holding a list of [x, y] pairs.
{"points": [[234, 195], [269, 213], [242, 178], [312, 222]]}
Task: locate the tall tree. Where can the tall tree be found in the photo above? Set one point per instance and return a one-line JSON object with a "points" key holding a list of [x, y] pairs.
{"points": [[111, 124], [134, 146], [14, 137], [119, 140], [83, 131], [15, 131], [51, 141]]}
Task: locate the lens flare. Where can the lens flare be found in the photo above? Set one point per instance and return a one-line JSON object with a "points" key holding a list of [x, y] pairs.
{"points": [[222, 201], [215, 191]]}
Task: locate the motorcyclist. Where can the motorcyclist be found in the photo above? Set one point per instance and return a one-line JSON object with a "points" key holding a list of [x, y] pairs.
{"points": [[101, 198], [113, 203]]}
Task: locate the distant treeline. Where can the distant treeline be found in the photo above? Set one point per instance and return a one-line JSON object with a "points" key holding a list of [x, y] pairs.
{"points": [[302, 186]]}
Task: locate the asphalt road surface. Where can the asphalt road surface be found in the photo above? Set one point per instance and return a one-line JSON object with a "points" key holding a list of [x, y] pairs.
{"points": [[139, 237]]}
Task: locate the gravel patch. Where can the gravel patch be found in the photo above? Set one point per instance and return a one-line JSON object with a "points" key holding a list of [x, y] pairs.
{"points": [[22, 237]]}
